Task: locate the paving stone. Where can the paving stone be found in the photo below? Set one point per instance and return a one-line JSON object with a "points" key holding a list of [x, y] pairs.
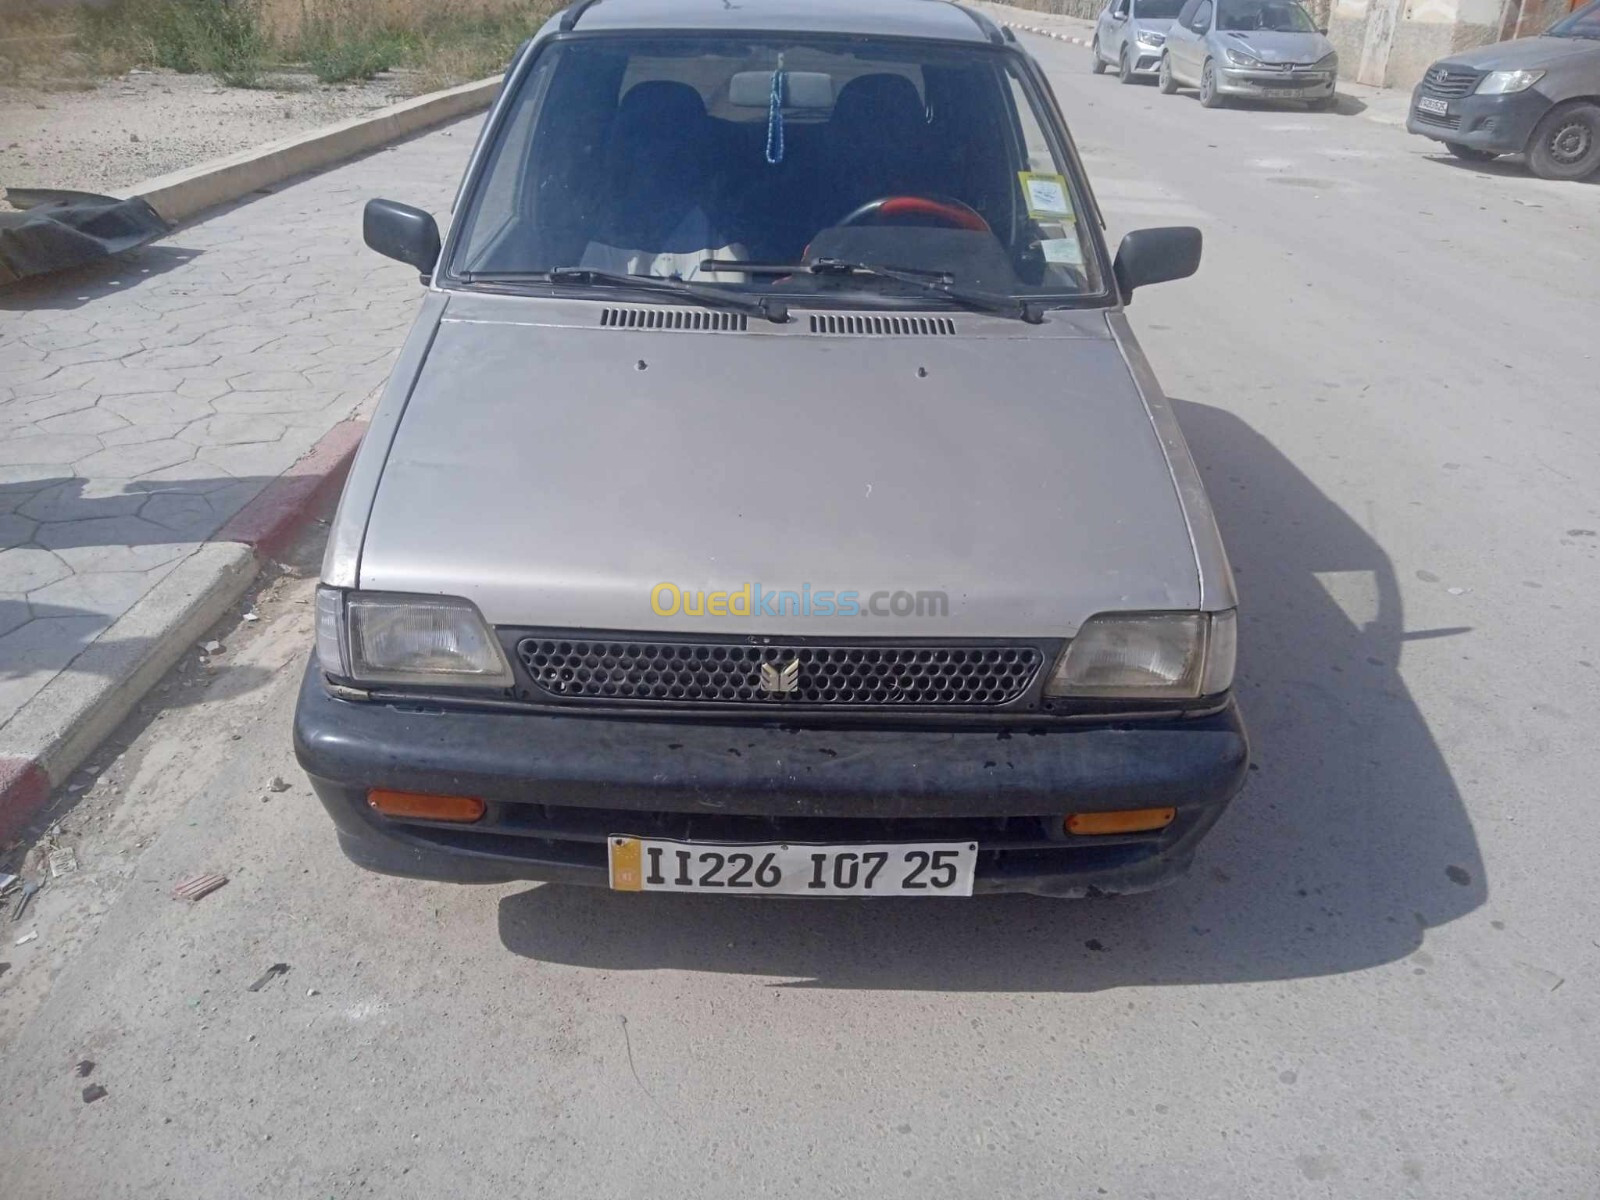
{"points": [[25, 568], [133, 461], [126, 558], [308, 397], [96, 351], [122, 441], [55, 404], [196, 477], [14, 611], [260, 459], [85, 420], [47, 448], [177, 357], [104, 593], [36, 651], [230, 429], [81, 500], [97, 532], [119, 379], [189, 516], [158, 409], [15, 530], [132, 435]]}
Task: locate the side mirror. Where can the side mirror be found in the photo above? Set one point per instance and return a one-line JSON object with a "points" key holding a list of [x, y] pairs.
{"points": [[401, 232], [1149, 256]]}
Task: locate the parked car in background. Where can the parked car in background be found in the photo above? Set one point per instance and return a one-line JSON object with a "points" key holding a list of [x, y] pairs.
{"points": [[1538, 96], [1255, 49], [772, 497], [1129, 35]]}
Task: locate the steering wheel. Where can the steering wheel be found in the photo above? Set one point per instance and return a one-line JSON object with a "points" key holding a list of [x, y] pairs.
{"points": [[894, 210]]}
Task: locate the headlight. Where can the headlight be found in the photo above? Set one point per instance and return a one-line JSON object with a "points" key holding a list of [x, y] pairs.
{"points": [[1148, 656], [1149, 37], [1240, 59], [426, 641], [1508, 83], [1328, 62]]}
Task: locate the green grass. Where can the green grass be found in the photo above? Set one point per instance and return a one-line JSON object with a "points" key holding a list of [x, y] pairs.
{"points": [[213, 37]]}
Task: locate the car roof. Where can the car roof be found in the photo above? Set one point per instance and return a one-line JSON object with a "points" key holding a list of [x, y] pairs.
{"points": [[939, 19]]}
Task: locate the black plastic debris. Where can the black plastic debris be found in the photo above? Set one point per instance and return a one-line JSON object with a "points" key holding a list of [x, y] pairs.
{"points": [[272, 973], [92, 1093], [58, 230]]}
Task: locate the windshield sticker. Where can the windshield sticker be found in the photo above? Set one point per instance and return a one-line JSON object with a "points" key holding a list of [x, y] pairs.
{"points": [[1063, 251], [1046, 196]]}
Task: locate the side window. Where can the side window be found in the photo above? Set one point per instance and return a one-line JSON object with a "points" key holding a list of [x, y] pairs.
{"points": [[1202, 17], [1186, 14], [1122, 9]]}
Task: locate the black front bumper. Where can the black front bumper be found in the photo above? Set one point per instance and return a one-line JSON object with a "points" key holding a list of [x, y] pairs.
{"points": [[556, 786], [1496, 124]]}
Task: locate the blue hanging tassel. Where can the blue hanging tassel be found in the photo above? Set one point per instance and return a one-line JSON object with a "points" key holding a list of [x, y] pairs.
{"points": [[775, 118]]}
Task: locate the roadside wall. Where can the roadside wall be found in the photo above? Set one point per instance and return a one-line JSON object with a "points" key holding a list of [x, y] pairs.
{"points": [[1390, 43]]}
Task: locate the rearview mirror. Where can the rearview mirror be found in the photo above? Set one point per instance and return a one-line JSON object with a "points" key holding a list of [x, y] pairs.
{"points": [[404, 233], [1149, 256]]}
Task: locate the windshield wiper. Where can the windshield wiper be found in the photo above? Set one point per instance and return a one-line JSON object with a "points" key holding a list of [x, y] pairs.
{"points": [[762, 306], [932, 283]]}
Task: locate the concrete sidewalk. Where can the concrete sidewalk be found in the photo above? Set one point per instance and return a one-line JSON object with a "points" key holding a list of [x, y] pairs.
{"points": [[1387, 106], [146, 401]]}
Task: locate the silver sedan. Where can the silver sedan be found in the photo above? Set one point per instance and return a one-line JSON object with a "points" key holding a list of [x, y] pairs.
{"points": [[1255, 49], [1129, 34]]}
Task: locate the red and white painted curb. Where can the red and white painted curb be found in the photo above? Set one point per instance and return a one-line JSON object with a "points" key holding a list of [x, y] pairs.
{"points": [[62, 725], [1049, 33]]}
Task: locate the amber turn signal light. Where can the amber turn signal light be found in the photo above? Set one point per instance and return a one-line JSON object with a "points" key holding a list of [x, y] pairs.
{"points": [[1128, 820], [422, 807]]}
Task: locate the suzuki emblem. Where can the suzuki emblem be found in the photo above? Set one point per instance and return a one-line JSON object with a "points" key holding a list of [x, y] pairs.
{"points": [[780, 680]]}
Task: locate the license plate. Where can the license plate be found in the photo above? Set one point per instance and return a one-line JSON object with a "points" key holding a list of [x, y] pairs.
{"points": [[1429, 104], [792, 868], [1281, 94]]}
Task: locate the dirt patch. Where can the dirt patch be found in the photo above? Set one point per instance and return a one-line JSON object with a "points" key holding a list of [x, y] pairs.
{"points": [[147, 123]]}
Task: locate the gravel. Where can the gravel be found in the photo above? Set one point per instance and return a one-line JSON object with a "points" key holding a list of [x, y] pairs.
{"points": [[148, 123]]}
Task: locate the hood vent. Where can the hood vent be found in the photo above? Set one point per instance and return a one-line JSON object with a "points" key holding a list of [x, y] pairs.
{"points": [[692, 320], [872, 326]]}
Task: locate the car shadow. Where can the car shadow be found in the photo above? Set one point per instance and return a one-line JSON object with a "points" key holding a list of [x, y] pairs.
{"points": [[63, 291], [1344, 106], [1509, 166], [1348, 844]]}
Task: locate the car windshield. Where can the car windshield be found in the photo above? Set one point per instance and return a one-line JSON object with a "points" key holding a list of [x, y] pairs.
{"points": [[1585, 23], [1270, 16], [721, 160], [1157, 10]]}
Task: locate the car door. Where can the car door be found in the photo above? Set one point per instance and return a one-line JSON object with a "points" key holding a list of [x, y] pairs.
{"points": [[1181, 44], [1120, 24]]}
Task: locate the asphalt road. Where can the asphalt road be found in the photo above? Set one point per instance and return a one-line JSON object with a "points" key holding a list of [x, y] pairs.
{"points": [[1380, 980]]}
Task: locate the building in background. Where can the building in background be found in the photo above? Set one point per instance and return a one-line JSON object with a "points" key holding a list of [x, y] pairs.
{"points": [[1390, 43]]}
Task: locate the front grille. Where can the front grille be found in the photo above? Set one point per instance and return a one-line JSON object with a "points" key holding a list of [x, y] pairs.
{"points": [[743, 673], [697, 320], [872, 326], [1450, 81], [1443, 120]]}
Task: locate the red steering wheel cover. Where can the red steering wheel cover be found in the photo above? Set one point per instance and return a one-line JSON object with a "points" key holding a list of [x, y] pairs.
{"points": [[957, 214]]}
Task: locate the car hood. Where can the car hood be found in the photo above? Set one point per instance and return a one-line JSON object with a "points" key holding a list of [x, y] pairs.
{"points": [[1522, 53], [555, 474], [1155, 24], [1272, 47]]}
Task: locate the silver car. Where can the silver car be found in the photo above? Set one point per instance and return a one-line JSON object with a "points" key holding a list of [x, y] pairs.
{"points": [[1252, 49], [771, 497], [1129, 34]]}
